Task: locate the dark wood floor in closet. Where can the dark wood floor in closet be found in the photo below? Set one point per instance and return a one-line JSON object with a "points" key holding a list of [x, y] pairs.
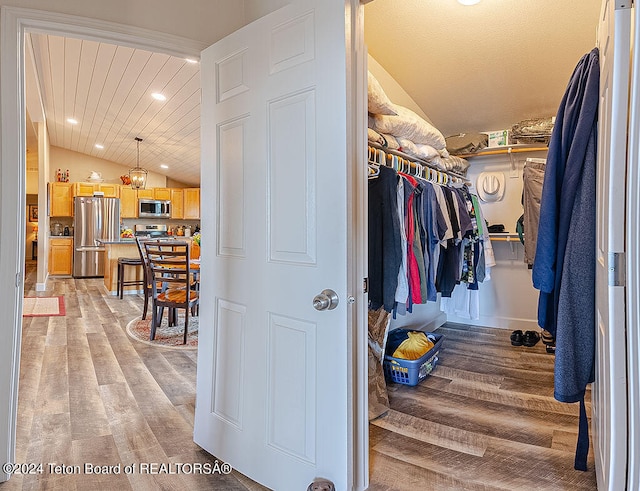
{"points": [[485, 420]]}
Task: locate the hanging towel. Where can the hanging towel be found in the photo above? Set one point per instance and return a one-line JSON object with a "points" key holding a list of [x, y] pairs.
{"points": [[564, 267]]}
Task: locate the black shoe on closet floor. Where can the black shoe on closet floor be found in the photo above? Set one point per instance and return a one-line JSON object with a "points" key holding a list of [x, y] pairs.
{"points": [[551, 349], [547, 337], [530, 338], [516, 338]]}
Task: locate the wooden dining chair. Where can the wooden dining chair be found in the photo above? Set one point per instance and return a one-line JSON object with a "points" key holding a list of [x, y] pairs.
{"points": [[171, 281], [145, 274]]}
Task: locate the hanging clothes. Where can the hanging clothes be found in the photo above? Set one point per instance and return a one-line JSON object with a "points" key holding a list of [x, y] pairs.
{"points": [[424, 238], [533, 178], [448, 266], [564, 267], [385, 249]]}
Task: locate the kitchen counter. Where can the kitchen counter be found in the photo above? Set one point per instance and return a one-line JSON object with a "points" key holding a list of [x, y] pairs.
{"points": [[113, 250], [118, 241], [133, 241], [125, 247]]}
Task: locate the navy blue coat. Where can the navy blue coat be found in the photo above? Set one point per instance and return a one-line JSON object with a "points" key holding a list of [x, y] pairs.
{"points": [[564, 269]]}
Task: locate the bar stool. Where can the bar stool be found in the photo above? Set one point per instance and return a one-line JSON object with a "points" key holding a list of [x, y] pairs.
{"points": [[127, 261]]}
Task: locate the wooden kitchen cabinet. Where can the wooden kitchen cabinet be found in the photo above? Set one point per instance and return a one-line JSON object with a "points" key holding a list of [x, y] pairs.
{"points": [[145, 193], [177, 203], [60, 256], [109, 190], [191, 203], [83, 188], [88, 188], [162, 194], [128, 202], [60, 199]]}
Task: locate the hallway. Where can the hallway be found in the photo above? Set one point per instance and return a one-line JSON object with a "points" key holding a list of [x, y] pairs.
{"points": [[90, 394]]}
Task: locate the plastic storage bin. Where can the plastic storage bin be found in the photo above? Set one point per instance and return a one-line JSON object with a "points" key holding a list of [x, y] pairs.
{"points": [[411, 372]]}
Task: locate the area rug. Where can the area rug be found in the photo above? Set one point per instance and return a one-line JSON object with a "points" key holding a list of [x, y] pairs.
{"points": [[166, 336], [42, 306]]}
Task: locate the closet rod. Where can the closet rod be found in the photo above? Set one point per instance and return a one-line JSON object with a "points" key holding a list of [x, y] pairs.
{"points": [[502, 151], [504, 239], [413, 161]]}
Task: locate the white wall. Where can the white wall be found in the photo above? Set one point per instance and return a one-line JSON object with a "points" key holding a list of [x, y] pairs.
{"points": [[201, 20], [32, 172], [81, 165], [254, 9], [43, 218], [508, 300], [393, 89]]}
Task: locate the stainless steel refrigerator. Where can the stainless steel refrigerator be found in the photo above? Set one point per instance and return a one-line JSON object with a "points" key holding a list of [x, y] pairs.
{"points": [[96, 219]]}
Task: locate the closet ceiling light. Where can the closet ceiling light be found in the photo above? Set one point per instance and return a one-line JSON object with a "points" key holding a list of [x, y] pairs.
{"points": [[158, 96], [468, 2]]}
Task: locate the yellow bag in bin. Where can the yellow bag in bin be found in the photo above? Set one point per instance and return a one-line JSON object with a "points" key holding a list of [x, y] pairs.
{"points": [[415, 346]]}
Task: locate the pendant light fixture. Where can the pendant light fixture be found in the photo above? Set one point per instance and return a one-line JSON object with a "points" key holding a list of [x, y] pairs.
{"points": [[138, 175]]}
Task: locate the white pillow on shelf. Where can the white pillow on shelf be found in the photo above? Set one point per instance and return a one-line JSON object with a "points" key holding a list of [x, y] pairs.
{"points": [[392, 143], [409, 125], [426, 152], [378, 102]]}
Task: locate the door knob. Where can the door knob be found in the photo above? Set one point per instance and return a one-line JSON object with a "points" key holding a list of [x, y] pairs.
{"points": [[326, 300]]}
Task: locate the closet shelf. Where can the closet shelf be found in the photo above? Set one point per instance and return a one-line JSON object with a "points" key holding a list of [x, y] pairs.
{"points": [[515, 148]]}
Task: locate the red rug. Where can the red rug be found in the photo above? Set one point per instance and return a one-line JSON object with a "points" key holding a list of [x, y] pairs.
{"points": [[43, 306], [166, 337]]}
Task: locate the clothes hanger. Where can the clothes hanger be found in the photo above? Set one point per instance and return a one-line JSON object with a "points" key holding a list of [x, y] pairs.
{"points": [[417, 170]]}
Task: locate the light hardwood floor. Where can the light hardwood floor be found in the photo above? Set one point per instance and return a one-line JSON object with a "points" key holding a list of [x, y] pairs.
{"points": [[90, 394], [485, 419]]}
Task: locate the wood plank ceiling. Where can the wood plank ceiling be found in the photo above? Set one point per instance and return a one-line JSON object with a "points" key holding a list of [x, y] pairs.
{"points": [[108, 90]]}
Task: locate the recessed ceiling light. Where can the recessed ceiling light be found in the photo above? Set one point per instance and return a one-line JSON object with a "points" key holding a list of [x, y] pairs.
{"points": [[158, 96], [72, 121], [468, 2], [190, 60], [164, 166], [99, 146]]}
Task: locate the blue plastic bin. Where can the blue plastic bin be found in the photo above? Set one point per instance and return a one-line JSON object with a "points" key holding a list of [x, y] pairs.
{"points": [[412, 372]]}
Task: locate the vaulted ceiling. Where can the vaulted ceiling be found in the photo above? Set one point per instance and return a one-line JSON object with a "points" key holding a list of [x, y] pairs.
{"points": [[108, 91], [477, 68], [482, 67]]}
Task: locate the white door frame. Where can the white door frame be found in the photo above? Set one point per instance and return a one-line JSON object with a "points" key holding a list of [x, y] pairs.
{"points": [[15, 22], [632, 248], [358, 225]]}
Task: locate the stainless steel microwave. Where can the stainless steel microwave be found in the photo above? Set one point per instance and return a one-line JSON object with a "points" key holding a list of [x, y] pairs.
{"points": [[154, 208]]}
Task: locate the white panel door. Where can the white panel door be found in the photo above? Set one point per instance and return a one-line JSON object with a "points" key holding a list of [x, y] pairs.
{"points": [[609, 403], [273, 372]]}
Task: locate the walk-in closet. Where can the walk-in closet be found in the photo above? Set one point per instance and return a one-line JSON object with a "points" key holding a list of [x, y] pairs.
{"points": [[485, 417]]}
